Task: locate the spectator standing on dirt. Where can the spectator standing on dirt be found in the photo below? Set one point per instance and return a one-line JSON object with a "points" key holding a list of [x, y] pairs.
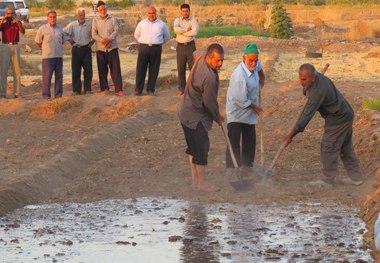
{"points": [[79, 34], [186, 28], [243, 107], [50, 39], [151, 33], [10, 51], [105, 31], [324, 97], [198, 109]]}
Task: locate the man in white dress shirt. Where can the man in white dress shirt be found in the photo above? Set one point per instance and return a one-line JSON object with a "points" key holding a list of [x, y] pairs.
{"points": [[186, 28], [79, 34], [151, 33]]}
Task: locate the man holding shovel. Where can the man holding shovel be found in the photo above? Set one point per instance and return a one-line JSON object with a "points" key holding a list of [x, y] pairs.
{"points": [[243, 107], [198, 109], [337, 138]]}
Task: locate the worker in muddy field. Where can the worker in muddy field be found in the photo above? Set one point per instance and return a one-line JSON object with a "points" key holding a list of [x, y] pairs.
{"points": [[323, 96], [105, 31], [199, 109], [79, 35], [186, 28], [243, 109], [151, 33], [50, 39], [10, 27]]}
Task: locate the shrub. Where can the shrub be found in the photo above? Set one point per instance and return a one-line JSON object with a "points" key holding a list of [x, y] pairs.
{"points": [[373, 104], [281, 25]]}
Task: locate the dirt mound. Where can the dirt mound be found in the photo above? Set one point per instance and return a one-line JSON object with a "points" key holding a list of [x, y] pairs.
{"points": [[373, 53]]}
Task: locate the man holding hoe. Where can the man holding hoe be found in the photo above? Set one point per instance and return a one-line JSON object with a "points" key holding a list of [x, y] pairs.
{"points": [[337, 138]]}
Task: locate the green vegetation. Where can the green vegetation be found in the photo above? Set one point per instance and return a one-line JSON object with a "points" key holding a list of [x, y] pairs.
{"points": [[373, 104], [281, 25], [205, 32]]}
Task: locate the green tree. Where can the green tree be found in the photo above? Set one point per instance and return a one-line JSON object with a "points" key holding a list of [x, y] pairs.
{"points": [[281, 25]]}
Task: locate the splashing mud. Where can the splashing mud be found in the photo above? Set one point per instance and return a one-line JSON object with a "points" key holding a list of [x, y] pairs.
{"points": [[167, 230]]}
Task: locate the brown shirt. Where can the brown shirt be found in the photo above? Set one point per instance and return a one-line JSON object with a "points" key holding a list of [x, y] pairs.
{"points": [[200, 98]]}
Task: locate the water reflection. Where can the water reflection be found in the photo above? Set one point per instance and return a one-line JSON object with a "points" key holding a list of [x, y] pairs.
{"points": [[196, 243], [166, 230]]}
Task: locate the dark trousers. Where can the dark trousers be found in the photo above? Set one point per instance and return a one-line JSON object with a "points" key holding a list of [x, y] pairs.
{"points": [[109, 60], [184, 56], [81, 58], [245, 155], [50, 66], [337, 141], [149, 56]]}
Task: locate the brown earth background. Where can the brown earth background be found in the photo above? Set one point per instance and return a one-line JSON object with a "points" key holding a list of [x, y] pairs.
{"points": [[95, 147]]}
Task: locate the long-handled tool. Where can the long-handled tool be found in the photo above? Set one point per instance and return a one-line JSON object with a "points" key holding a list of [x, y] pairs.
{"points": [[283, 145], [240, 185]]}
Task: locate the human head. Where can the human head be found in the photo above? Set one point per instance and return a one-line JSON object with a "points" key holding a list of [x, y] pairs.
{"points": [[185, 11], [251, 56], [9, 11], [215, 56], [102, 9], [81, 14], [307, 74], [151, 13], [52, 18]]}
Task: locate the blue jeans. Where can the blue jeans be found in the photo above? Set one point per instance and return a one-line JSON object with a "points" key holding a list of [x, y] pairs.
{"points": [[50, 66]]}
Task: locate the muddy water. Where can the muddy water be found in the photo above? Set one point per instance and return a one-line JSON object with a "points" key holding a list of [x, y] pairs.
{"points": [[166, 230]]}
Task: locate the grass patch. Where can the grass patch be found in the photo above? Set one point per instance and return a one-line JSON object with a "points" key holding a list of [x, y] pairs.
{"points": [[372, 104], [211, 31]]}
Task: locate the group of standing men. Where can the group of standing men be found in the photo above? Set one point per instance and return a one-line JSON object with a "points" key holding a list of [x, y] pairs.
{"points": [[151, 33]]}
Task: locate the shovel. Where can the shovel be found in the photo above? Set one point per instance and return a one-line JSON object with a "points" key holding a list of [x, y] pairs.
{"points": [[268, 172], [240, 185]]}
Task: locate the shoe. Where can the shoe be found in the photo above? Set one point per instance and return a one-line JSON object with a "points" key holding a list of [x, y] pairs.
{"points": [[105, 92], [120, 93], [151, 93], [88, 92], [137, 93], [179, 93], [247, 169], [349, 181], [320, 183], [17, 96], [75, 93]]}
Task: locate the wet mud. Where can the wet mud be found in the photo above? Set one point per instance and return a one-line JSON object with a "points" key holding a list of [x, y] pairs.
{"points": [[170, 230]]}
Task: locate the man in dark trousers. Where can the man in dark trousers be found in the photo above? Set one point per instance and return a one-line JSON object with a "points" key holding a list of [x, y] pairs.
{"points": [[337, 138], [79, 34], [199, 109], [151, 33], [186, 28], [105, 31]]}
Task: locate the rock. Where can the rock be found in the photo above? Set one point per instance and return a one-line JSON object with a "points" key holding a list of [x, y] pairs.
{"points": [[214, 242], [28, 49], [174, 238], [225, 253]]}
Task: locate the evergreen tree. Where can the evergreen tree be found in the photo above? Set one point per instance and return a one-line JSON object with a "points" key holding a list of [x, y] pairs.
{"points": [[281, 25]]}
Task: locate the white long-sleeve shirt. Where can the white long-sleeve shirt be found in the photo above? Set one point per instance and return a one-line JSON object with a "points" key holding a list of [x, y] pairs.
{"points": [[152, 33], [242, 92], [181, 27]]}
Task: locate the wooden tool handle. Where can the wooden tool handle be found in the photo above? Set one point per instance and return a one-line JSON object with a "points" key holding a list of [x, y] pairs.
{"points": [[229, 146]]}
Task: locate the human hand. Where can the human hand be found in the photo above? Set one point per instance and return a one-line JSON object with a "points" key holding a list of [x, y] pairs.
{"points": [[288, 139], [72, 42], [257, 109]]}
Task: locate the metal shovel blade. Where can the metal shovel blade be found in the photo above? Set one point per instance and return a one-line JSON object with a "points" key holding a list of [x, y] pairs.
{"points": [[240, 185], [262, 171]]}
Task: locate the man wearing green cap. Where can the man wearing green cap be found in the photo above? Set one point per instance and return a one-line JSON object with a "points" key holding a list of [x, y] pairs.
{"points": [[243, 107]]}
